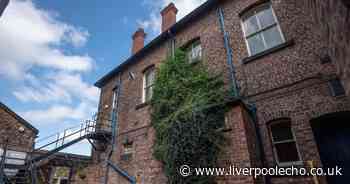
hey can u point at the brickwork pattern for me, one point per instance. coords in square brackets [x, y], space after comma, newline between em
[290, 83]
[10, 130]
[332, 18]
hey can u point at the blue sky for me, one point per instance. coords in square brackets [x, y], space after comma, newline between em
[52, 52]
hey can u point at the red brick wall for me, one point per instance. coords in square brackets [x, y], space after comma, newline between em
[288, 83]
[9, 130]
[332, 19]
[240, 150]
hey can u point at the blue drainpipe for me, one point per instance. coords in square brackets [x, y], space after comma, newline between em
[234, 86]
[114, 127]
[235, 89]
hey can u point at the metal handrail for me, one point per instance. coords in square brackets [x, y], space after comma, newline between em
[85, 129]
[56, 140]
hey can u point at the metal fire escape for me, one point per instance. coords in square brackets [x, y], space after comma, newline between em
[14, 170]
[24, 170]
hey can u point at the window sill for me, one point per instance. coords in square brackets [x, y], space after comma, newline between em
[268, 51]
[142, 105]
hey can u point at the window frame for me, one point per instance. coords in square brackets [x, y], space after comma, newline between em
[146, 87]
[190, 48]
[14, 157]
[253, 12]
[114, 98]
[332, 86]
[274, 143]
[127, 151]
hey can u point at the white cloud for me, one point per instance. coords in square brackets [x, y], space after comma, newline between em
[59, 113]
[33, 57]
[76, 86]
[77, 37]
[153, 22]
[61, 91]
[32, 37]
[56, 87]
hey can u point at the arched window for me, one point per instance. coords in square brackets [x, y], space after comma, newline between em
[148, 82]
[284, 144]
[261, 29]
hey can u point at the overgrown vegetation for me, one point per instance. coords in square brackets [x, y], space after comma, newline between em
[188, 112]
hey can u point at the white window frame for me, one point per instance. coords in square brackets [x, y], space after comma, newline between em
[297, 162]
[13, 157]
[190, 51]
[128, 149]
[254, 12]
[114, 99]
[146, 87]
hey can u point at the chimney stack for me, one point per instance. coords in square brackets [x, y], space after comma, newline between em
[138, 40]
[168, 16]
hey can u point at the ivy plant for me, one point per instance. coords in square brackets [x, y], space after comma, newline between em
[187, 114]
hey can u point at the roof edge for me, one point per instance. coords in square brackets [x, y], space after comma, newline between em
[163, 36]
[19, 118]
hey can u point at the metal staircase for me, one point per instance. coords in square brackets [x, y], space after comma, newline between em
[24, 170]
[48, 146]
[59, 141]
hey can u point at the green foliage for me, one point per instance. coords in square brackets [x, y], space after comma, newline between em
[188, 109]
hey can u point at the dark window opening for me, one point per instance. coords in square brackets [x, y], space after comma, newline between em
[128, 150]
[336, 87]
[284, 144]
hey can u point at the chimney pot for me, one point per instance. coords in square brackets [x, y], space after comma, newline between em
[168, 16]
[138, 40]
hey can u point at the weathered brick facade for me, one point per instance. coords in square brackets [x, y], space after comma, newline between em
[332, 18]
[288, 82]
[18, 134]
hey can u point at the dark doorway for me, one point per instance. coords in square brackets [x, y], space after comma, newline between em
[332, 134]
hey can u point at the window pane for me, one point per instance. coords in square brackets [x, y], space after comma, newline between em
[337, 87]
[251, 25]
[281, 132]
[149, 77]
[148, 93]
[197, 52]
[272, 37]
[287, 152]
[266, 17]
[10, 172]
[256, 44]
[16, 154]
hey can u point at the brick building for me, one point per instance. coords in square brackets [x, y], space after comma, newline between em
[281, 66]
[17, 142]
[332, 18]
[16, 139]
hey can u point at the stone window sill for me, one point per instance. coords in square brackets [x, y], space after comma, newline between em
[142, 105]
[268, 52]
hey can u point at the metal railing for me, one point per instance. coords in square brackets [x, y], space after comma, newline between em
[88, 127]
[59, 139]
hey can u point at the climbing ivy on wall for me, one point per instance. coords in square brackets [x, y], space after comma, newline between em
[187, 114]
